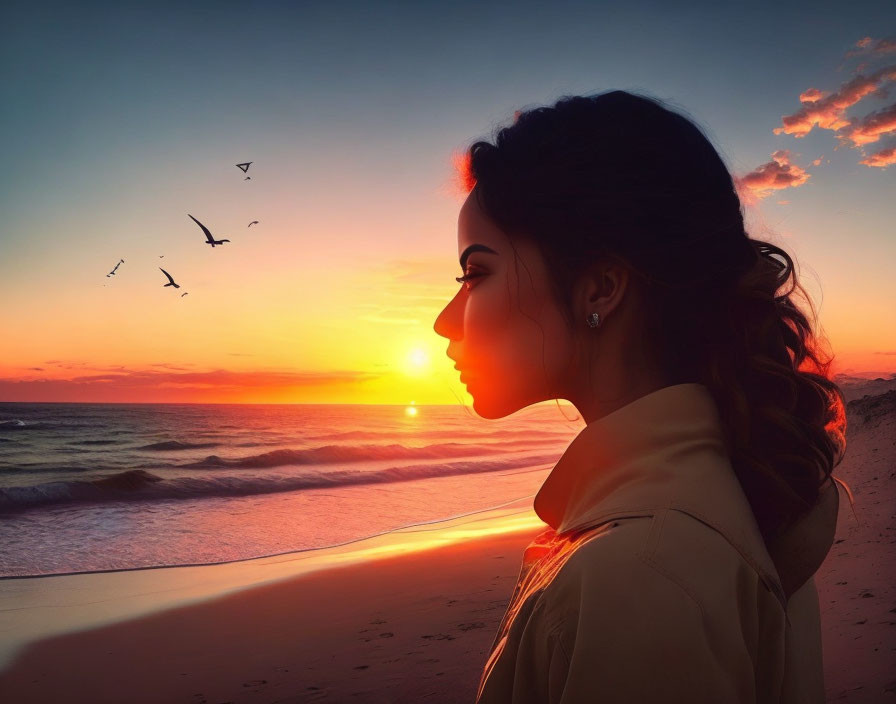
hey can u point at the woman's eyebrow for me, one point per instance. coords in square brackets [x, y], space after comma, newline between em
[474, 248]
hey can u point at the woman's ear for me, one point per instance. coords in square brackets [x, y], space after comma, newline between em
[603, 287]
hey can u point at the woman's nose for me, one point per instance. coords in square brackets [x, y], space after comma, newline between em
[449, 323]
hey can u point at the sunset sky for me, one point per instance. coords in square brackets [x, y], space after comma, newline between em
[117, 121]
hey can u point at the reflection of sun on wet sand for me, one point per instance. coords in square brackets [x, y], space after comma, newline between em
[416, 626]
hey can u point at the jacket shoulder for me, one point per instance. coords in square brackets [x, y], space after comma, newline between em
[615, 560]
[669, 558]
[630, 618]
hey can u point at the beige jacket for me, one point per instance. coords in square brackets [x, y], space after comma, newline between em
[653, 582]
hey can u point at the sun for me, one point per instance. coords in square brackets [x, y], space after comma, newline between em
[417, 361]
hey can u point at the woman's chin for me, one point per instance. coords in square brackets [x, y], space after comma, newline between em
[490, 408]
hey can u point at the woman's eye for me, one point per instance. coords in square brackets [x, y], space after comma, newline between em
[466, 278]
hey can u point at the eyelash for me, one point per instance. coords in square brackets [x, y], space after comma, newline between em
[467, 277]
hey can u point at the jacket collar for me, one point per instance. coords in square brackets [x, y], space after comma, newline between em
[666, 450]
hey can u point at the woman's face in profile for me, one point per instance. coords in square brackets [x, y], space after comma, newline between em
[505, 332]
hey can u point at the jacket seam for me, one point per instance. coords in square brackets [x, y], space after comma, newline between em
[668, 575]
[745, 554]
[651, 543]
[557, 632]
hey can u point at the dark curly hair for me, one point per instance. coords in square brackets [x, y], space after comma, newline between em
[620, 175]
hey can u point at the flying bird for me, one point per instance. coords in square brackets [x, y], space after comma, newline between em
[184, 294]
[208, 235]
[254, 222]
[112, 273]
[169, 279]
[245, 167]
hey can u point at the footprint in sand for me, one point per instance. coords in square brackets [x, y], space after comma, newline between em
[378, 621]
[254, 683]
[471, 626]
[361, 667]
[386, 635]
[439, 636]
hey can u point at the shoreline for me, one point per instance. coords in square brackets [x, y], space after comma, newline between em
[492, 511]
[40, 607]
[429, 608]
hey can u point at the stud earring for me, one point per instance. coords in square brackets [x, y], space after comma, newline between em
[593, 320]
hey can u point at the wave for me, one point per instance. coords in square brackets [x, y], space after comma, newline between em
[349, 453]
[176, 445]
[141, 485]
[17, 424]
[434, 434]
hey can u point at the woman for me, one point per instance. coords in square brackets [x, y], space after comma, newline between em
[605, 262]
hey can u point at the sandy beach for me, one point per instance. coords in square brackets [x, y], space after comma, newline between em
[396, 628]
[408, 617]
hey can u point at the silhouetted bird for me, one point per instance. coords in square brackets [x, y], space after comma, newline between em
[169, 278]
[184, 294]
[254, 222]
[112, 273]
[208, 235]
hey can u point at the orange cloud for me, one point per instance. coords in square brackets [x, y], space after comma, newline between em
[828, 112]
[813, 95]
[870, 128]
[818, 160]
[152, 386]
[772, 176]
[867, 45]
[881, 159]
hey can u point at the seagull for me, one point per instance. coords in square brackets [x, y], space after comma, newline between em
[208, 235]
[245, 167]
[183, 294]
[112, 273]
[254, 222]
[169, 279]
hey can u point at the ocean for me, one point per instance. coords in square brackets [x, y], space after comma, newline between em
[97, 487]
